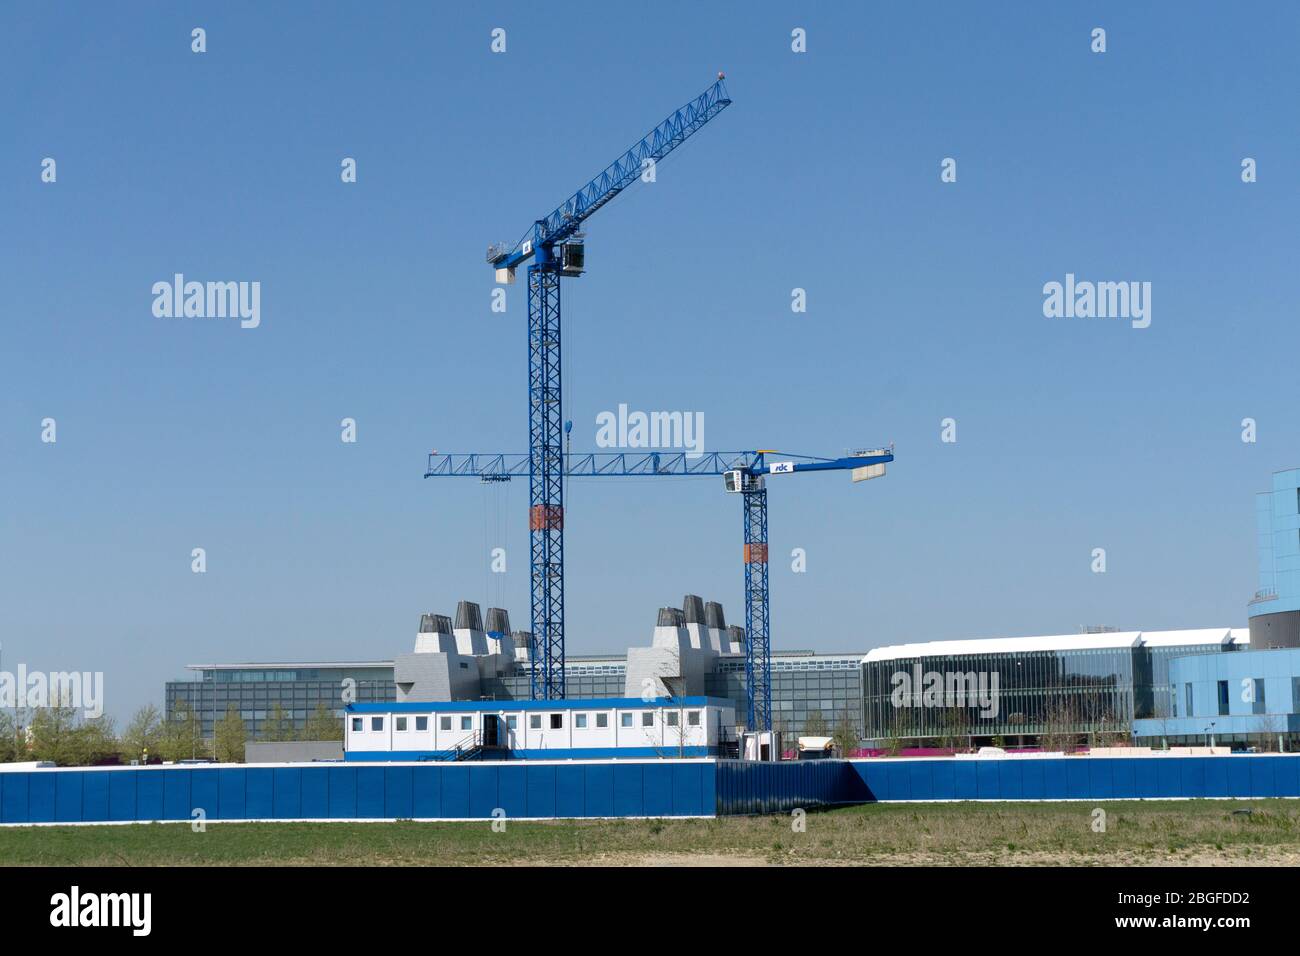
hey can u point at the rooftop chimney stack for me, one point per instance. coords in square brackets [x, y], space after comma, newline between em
[713, 616]
[468, 616]
[435, 624]
[671, 617]
[736, 635]
[498, 621]
[471, 639]
[435, 634]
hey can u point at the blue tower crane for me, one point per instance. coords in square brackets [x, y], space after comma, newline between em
[743, 472]
[554, 244]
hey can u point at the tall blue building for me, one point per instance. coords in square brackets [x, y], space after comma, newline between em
[1252, 698]
[1275, 608]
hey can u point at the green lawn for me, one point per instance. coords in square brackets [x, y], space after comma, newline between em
[1206, 832]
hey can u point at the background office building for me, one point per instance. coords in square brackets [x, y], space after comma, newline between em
[807, 688]
[255, 689]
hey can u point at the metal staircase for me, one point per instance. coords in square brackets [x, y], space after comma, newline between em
[467, 749]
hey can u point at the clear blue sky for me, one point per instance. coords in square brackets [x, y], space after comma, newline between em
[924, 302]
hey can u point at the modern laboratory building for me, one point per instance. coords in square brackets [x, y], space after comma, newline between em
[825, 687]
[1018, 690]
[472, 657]
[1242, 700]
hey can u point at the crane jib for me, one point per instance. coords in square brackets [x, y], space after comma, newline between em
[566, 219]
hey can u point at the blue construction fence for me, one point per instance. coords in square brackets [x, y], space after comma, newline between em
[522, 790]
[769, 788]
[659, 788]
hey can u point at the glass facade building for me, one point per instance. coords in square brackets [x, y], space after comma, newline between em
[1028, 691]
[821, 688]
[1245, 700]
[927, 694]
[804, 686]
[255, 689]
[583, 677]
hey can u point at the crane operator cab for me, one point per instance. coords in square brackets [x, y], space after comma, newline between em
[741, 481]
[573, 257]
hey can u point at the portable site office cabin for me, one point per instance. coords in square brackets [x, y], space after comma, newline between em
[555, 729]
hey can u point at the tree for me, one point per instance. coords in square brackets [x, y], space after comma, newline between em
[51, 730]
[846, 735]
[143, 734]
[1272, 730]
[899, 730]
[1060, 724]
[1164, 733]
[815, 725]
[322, 725]
[230, 736]
[92, 741]
[1110, 731]
[180, 738]
[277, 726]
[952, 728]
[10, 747]
[58, 736]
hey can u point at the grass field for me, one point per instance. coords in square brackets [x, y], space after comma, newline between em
[1213, 832]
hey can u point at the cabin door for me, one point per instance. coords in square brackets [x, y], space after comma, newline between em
[491, 730]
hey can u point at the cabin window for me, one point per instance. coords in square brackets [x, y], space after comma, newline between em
[647, 718]
[602, 720]
[401, 723]
[693, 718]
[557, 721]
[444, 723]
[535, 721]
[512, 722]
[376, 723]
[357, 724]
[672, 718]
[421, 723]
[466, 723]
[625, 720]
[580, 721]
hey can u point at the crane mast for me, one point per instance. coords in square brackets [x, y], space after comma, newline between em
[555, 248]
